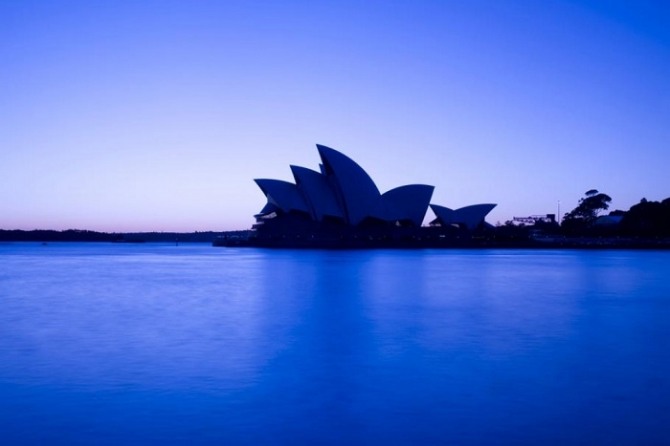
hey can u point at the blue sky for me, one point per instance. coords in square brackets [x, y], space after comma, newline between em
[157, 115]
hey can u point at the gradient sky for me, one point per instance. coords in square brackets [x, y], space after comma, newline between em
[157, 115]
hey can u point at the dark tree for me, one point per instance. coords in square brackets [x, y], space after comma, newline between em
[648, 219]
[587, 211]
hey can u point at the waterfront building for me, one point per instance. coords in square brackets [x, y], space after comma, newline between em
[341, 202]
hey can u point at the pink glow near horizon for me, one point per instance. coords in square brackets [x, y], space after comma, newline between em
[157, 116]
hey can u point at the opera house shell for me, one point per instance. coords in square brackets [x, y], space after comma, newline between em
[340, 205]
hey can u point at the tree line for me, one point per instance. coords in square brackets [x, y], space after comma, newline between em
[644, 219]
[589, 218]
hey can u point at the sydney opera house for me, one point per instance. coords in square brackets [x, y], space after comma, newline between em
[340, 206]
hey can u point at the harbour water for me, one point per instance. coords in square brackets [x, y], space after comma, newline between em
[128, 344]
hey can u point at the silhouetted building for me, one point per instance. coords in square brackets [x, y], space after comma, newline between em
[340, 203]
[468, 217]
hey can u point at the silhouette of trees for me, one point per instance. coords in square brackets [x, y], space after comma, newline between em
[587, 210]
[647, 219]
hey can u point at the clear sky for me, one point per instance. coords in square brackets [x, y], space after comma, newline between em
[157, 115]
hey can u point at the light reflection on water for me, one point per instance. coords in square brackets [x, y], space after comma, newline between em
[153, 343]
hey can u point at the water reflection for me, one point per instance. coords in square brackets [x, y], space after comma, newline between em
[156, 343]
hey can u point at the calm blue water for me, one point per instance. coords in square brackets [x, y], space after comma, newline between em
[158, 344]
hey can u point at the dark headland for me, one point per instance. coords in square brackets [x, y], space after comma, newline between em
[527, 237]
[645, 225]
[340, 206]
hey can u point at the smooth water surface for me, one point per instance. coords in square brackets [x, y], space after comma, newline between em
[159, 344]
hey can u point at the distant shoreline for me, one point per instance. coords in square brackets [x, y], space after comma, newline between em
[78, 235]
[244, 238]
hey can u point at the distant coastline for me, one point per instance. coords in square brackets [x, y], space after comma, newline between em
[520, 239]
[81, 235]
